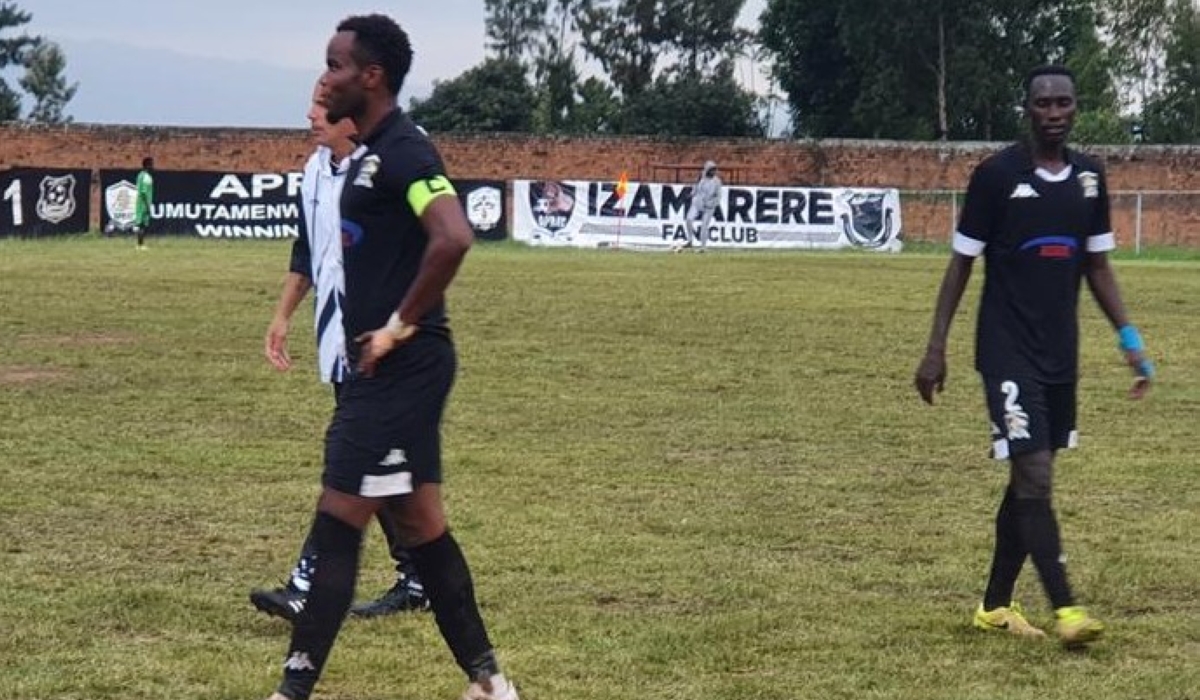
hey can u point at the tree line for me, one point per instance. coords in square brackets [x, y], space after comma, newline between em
[876, 69]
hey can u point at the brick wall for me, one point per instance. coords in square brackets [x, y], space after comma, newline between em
[1173, 220]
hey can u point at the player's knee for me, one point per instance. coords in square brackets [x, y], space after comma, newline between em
[1033, 476]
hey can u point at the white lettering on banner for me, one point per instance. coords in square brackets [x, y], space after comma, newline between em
[231, 185]
[254, 212]
[256, 231]
[653, 216]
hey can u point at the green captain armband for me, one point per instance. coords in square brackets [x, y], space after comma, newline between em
[424, 191]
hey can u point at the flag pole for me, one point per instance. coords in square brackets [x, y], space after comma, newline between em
[622, 188]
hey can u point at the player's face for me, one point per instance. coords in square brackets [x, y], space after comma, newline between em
[1051, 108]
[319, 123]
[341, 85]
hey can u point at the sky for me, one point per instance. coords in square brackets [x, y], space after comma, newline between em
[242, 63]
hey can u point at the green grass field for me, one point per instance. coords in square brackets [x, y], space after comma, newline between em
[674, 476]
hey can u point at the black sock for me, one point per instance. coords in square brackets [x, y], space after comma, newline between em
[140, 236]
[404, 564]
[1008, 556]
[443, 570]
[337, 547]
[1039, 530]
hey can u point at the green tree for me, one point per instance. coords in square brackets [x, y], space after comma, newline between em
[493, 96]
[1099, 119]
[912, 69]
[44, 82]
[1173, 114]
[811, 66]
[1137, 31]
[513, 26]
[688, 104]
[555, 74]
[13, 51]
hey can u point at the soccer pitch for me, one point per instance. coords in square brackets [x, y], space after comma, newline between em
[689, 476]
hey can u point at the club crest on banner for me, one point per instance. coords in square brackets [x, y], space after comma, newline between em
[120, 203]
[484, 208]
[56, 200]
[552, 204]
[867, 218]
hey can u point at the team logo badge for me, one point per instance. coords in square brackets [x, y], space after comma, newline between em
[120, 202]
[552, 204]
[867, 219]
[57, 199]
[1089, 182]
[366, 174]
[483, 208]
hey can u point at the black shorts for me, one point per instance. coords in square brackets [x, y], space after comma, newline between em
[385, 436]
[1028, 415]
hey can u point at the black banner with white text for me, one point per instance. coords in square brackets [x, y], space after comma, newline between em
[44, 202]
[253, 205]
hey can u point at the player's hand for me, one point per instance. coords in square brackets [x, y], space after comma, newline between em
[275, 345]
[931, 375]
[1143, 368]
[1130, 343]
[376, 344]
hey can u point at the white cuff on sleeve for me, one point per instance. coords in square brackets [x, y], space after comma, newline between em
[965, 245]
[1101, 243]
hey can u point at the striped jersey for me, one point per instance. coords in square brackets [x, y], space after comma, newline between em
[317, 255]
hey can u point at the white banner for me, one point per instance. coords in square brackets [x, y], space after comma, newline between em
[653, 216]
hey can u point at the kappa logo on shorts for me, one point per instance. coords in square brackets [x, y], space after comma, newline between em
[299, 661]
[394, 458]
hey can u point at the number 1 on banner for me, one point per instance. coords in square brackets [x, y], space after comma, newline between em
[13, 192]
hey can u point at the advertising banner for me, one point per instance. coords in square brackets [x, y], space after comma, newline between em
[652, 216]
[253, 205]
[44, 202]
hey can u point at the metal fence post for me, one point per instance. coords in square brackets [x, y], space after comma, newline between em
[1137, 226]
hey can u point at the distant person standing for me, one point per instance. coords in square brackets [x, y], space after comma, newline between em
[145, 200]
[706, 195]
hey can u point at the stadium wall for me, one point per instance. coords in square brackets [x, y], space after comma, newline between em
[1170, 217]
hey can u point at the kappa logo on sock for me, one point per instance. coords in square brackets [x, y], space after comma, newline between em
[299, 661]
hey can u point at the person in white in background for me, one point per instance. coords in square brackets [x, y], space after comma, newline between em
[706, 195]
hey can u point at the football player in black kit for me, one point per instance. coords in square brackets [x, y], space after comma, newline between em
[1038, 213]
[404, 235]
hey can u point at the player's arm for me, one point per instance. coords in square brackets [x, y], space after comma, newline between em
[931, 372]
[449, 238]
[449, 235]
[968, 243]
[295, 286]
[1102, 282]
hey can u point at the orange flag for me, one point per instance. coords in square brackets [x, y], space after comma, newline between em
[622, 185]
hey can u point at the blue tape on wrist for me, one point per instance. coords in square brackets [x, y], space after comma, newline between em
[1130, 339]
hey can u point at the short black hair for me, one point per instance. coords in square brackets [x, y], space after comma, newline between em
[1048, 69]
[379, 40]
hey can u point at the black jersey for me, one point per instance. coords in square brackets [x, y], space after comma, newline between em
[383, 242]
[1034, 230]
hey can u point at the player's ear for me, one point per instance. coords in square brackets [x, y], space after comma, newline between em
[373, 76]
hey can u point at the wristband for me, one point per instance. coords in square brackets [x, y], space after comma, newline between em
[1130, 339]
[399, 329]
[1145, 369]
